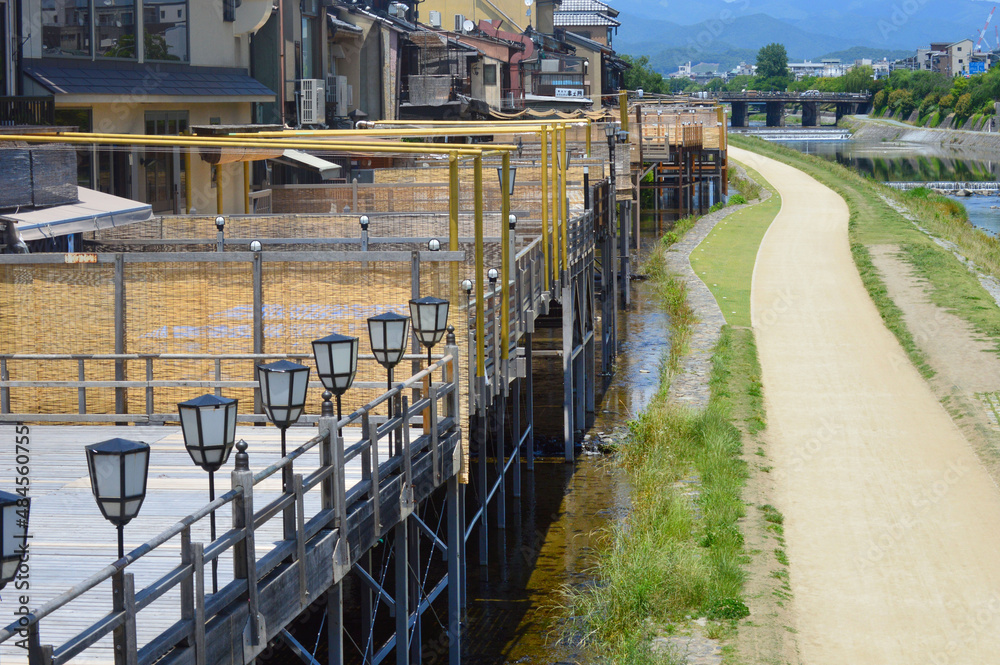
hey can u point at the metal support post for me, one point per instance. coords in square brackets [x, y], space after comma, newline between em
[456, 581]
[516, 438]
[484, 487]
[500, 409]
[335, 625]
[402, 594]
[121, 394]
[258, 320]
[567, 358]
[530, 400]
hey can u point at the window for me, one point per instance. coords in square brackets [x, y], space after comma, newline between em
[167, 37]
[65, 28]
[107, 28]
[489, 74]
[114, 34]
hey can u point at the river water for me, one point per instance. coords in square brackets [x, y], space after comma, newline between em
[514, 614]
[905, 162]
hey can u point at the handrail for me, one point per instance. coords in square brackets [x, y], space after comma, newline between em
[178, 574]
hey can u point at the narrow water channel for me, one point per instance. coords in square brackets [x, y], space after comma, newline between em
[514, 602]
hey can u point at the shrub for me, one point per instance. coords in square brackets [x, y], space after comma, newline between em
[737, 200]
[946, 103]
[963, 107]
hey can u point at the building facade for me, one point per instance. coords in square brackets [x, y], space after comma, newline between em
[146, 67]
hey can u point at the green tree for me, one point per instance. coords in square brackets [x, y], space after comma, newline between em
[963, 107]
[880, 100]
[946, 103]
[772, 61]
[859, 79]
[641, 75]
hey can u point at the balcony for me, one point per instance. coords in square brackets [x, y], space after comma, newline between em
[27, 111]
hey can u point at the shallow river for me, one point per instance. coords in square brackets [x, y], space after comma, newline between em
[901, 162]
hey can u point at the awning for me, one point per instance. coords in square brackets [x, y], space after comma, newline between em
[327, 170]
[96, 210]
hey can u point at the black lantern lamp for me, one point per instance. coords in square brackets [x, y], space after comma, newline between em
[13, 534]
[118, 471]
[610, 129]
[513, 177]
[512, 221]
[430, 321]
[283, 386]
[208, 424]
[337, 364]
[209, 427]
[387, 333]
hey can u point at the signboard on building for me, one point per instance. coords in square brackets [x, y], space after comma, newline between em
[569, 92]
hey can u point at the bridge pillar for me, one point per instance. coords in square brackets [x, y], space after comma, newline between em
[775, 114]
[844, 108]
[810, 114]
[741, 114]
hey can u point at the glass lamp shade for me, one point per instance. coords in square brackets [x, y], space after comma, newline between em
[209, 426]
[513, 178]
[283, 386]
[13, 534]
[430, 319]
[610, 129]
[336, 361]
[387, 333]
[118, 471]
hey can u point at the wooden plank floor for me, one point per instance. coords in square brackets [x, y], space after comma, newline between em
[71, 540]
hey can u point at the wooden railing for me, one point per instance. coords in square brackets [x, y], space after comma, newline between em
[349, 521]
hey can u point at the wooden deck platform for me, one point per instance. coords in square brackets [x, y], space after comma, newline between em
[71, 540]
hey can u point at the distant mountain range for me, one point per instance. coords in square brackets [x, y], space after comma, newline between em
[671, 32]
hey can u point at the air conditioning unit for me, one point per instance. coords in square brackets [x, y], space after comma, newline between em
[435, 19]
[459, 23]
[312, 104]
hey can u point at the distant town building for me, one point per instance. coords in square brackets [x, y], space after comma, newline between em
[827, 68]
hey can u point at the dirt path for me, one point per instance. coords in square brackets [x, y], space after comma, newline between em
[892, 525]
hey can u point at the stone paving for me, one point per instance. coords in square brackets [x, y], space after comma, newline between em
[690, 385]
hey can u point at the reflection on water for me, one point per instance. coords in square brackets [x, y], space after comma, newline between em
[901, 162]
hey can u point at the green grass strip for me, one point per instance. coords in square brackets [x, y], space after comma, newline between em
[725, 259]
[679, 552]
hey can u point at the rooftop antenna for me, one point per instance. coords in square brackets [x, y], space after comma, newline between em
[528, 3]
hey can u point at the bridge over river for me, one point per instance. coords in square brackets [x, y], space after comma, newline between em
[774, 103]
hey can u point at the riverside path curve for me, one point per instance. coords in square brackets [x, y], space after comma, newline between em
[892, 525]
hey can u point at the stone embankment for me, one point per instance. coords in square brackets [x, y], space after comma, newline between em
[876, 131]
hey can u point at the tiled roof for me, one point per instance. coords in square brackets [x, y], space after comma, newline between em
[571, 19]
[126, 78]
[586, 6]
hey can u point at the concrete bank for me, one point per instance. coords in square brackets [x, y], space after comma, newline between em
[876, 131]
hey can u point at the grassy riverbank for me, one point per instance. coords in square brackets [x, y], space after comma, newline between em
[725, 259]
[874, 222]
[680, 553]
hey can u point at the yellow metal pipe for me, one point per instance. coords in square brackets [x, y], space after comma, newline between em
[623, 108]
[172, 141]
[456, 130]
[557, 214]
[272, 142]
[246, 188]
[453, 202]
[505, 261]
[188, 186]
[562, 197]
[218, 190]
[590, 127]
[545, 207]
[480, 270]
